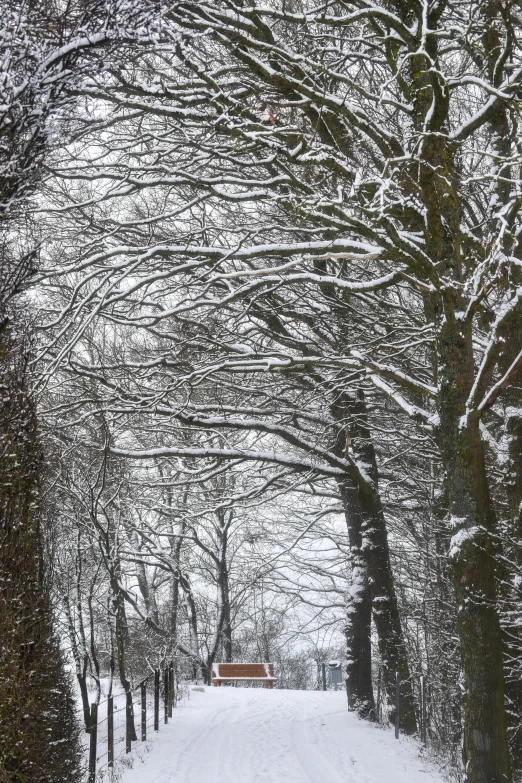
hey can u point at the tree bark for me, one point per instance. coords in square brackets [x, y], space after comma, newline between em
[373, 568]
[121, 638]
[81, 662]
[510, 590]
[359, 686]
[223, 588]
[193, 627]
[486, 752]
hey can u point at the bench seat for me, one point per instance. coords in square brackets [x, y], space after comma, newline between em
[243, 672]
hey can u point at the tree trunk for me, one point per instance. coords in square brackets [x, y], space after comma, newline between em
[174, 608]
[149, 598]
[374, 566]
[511, 584]
[174, 587]
[95, 664]
[392, 649]
[227, 623]
[510, 339]
[224, 590]
[486, 751]
[359, 687]
[121, 637]
[81, 662]
[193, 626]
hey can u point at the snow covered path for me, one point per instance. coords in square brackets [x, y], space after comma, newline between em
[246, 735]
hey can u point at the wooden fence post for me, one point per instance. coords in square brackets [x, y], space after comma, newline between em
[110, 732]
[424, 712]
[156, 699]
[323, 674]
[397, 704]
[171, 687]
[166, 694]
[92, 743]
[128, 723]
[144, 710]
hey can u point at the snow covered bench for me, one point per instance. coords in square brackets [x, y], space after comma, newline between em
[250, 672]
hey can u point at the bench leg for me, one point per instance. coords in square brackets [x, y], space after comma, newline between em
[269, 685]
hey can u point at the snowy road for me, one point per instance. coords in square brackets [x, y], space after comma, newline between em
[242, 735]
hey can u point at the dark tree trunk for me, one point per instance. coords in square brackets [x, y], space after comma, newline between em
[174, 608]
[175, 588]
[510, 340]
[392, 649]
[84, 693]
[486, 752]
[227, 623]
[509, 573]
[225, 620]
[149, 598]
[193, 627]
[359, 687]
[121, 633]
[373, 569]
[472, 554]
[81, 662]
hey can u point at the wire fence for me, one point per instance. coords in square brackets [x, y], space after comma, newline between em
[110, 731]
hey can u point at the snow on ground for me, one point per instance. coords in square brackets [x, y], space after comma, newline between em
[251, 735]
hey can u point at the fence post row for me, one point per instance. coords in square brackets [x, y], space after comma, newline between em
[92, 743]
[128, 722]
[156, 699]
[110, 732]
[129, 715]
[144, 710]
[397, 704]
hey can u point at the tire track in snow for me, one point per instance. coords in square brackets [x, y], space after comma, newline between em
[200, 756]
[313, 749]
[241, 735]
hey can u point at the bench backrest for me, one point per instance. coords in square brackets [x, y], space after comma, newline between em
[243, 670]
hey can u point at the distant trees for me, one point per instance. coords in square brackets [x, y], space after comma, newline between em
[175, 555]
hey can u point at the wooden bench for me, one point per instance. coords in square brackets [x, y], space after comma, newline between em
[247, 672]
